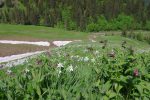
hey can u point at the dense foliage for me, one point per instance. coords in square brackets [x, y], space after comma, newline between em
[91, 15]
[88, 73]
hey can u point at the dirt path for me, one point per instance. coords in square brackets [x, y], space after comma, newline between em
[11, 49]
[39, 43]
[8, 48]
[15, 54]
[14, 60]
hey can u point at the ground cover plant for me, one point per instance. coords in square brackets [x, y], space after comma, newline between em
[89, 73]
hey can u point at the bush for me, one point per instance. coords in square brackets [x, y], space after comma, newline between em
[124, 22]
[102, 23]
[72, 25]
[92, 27]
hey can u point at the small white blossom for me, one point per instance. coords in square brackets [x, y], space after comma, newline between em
[70, 68]
[96, 52]
[82, 58]
[77, 56]
[60, 65]
[93, 40]
[71, 57]
[93, 60]
[9, 71]
[27, 70]
[59, 72]
[85, 51]
[86, 59]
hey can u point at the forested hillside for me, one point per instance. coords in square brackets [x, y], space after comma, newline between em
[90, 15]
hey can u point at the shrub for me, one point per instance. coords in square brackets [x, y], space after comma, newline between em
[124, 22]
[72, 25]
[60, 24]
[102, 23]
[92, 27]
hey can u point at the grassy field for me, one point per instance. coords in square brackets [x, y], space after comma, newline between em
[33, 33]
[90, 72]
[21, 32]
[117, 41]
[83, 70]
[38, 33]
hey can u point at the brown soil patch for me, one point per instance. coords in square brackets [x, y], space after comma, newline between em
[11, 49]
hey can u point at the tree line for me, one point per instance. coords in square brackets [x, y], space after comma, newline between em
[91, 15]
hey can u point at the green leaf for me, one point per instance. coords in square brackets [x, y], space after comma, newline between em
[38, 90]
[139, 88]
[106, 86]
[118, 87]
[105, 98]
[111, 94]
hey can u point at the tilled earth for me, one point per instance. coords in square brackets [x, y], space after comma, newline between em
[11, 49]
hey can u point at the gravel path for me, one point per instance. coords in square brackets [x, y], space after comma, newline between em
[40, 43]
[10, 61]
[19, 56]
[13, 60]
[61, 43]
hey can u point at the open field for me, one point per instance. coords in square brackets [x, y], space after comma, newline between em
[33, 34]
[75, 50]
[81, 68]
[36, 33]
[98, 67]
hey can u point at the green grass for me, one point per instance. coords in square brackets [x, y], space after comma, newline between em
[102, 78]
[116, 41]
[39, 32]
[80, 70]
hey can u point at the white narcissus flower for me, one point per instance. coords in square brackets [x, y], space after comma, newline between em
[60, 65]
[86, 59]
[77, 56]
[59, 72]
[27, 70]
[70, 68]
[82, 59]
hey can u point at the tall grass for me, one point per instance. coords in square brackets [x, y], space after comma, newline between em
[88, 73]
[139, 36]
